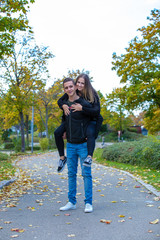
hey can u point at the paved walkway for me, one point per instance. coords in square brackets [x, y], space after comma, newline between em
[129, 208]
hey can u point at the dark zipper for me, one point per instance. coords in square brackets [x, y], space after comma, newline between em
[70, 138]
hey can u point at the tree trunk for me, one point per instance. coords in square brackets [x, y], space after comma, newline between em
[46, 121]
[22, 132]
[27, 129]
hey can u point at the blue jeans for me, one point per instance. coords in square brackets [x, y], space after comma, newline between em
[75, 151]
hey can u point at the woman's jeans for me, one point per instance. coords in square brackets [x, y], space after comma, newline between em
[75, 151]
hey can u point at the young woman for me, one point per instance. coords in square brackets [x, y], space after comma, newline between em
[85, 90]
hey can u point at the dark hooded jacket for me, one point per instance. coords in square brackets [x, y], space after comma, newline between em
[76, 123]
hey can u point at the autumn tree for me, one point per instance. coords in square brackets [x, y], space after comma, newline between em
[48, 112]
[117, 118]
[23, 73]
[139, 69]
[13, 17]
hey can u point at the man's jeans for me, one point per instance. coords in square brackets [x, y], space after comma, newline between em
[73, 152]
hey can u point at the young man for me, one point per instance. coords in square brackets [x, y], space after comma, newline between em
[75, 124]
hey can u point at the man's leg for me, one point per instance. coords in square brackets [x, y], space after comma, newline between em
[86, 173]
[72, 163]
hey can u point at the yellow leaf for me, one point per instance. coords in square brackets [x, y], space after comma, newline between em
[155, 221]
[121, 216]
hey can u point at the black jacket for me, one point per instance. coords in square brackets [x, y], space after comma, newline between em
[93, 112]
[76, 123]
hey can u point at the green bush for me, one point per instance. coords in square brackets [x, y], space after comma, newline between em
[144, 152]
[52, 144]
[3, 156]
[132, 130]
[35, 148]
[8, 145]
[17, 144]
[44, 143]
[126, 135]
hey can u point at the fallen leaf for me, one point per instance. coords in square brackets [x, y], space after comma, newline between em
[155, 221]
[17, 230]
[1, 227]
[7, 222]
[68, 223]
[156, 198]
[121, 220]
[121, 216]
[137, 186]
[114, 202]
[150, 231]
[14, 236]
[71, 235]
[108, 221]
[105, 221]
[66, 214]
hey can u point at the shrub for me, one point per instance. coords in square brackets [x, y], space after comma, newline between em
[3, 156]
[8, 145]
[44, 143]
[52, 144]
[144, 152]
[17, 144]
[35, 148]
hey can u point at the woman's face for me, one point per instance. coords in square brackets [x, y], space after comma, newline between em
[80, 84]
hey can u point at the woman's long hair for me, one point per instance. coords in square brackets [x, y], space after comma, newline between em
[89, 93]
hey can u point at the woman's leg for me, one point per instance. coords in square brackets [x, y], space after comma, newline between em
[58, 134]
[91, 137]
[90, 133]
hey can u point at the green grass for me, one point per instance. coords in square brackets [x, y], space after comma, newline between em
[7, 170]
[149, 176]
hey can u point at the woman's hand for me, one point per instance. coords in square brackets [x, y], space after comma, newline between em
[66, 109]
[76, 107]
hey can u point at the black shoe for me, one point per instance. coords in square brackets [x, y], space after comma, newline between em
[87, 162]
[61, 164]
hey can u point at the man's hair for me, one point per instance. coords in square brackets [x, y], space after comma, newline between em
[68, 80]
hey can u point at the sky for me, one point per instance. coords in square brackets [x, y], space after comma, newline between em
[83, 34]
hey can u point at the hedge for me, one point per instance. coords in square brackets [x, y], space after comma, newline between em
[144, 152]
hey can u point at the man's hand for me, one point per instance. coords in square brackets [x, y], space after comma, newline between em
[66, 109]
[76, 107]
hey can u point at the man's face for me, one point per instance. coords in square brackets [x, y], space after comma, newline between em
[69, 88]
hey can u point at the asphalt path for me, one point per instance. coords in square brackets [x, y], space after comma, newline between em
[123, 207]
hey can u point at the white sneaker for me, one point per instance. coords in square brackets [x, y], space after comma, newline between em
[88, 208]
[68, 206]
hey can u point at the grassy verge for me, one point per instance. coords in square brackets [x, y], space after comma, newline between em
[149, 176]
[7, 170]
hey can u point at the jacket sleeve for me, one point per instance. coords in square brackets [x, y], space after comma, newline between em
[94, 110]
[62, 100]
